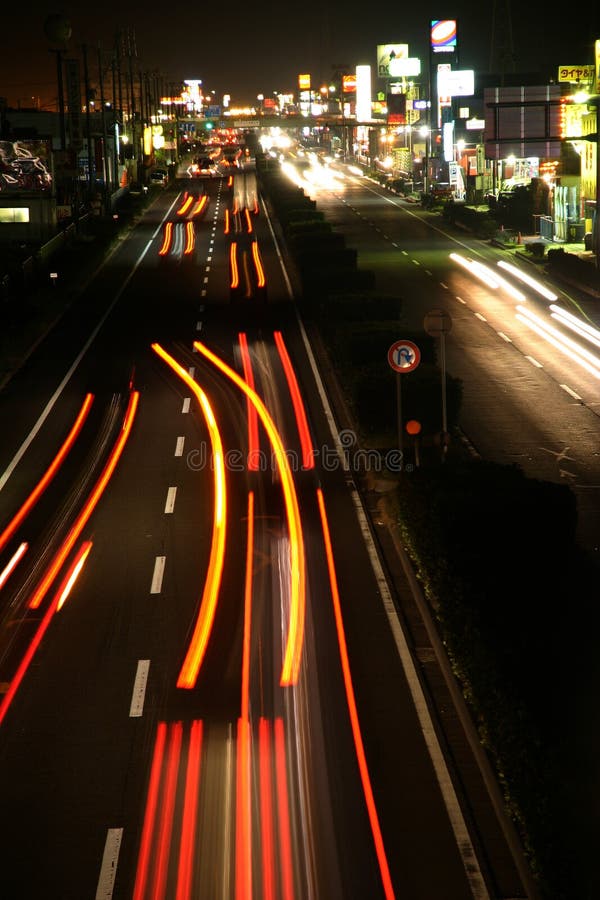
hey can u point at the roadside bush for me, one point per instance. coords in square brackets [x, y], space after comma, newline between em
[373, 392]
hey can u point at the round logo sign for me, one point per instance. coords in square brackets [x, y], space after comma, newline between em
[404, 356]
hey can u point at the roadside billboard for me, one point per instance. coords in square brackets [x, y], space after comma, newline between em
[25, 166]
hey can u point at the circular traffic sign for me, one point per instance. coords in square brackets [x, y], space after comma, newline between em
[437, 322]
[404, 356]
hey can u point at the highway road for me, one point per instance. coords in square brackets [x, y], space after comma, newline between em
[527, 352]
[207, 690]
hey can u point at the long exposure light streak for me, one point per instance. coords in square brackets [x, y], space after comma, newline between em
[89, 505]
[185, 872]
[144, 856]
[260, 272]
[283, 814]
[243, 842]
[253, 439]
[308, 459]
[267, 827]
[235, 275]
[583, 329]
[167, 239]
[352, 709]
[564, 344]
[295, 638]
[190, 238]
[527, 279]
[13, 563]
[72, 574]
[194, 657]
[185, 205]
[49, 474]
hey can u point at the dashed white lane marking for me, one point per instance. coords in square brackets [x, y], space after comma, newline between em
[138, 694]
[460, 299]
[192, 371]
[198, 326]
[505, 337]
[566, 388]
[534, 361]
[186, 405]
[179, 446]
[170, 502]
[479, 316]
[157, 576]
[108, 869]
[444, 285]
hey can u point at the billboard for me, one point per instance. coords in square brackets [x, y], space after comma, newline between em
[386, 54]
[456, 83]
[408, 67]
[443, 35]
[25, 166]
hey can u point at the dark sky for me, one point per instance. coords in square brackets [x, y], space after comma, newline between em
[246, 49]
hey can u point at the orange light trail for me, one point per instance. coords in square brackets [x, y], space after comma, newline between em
[167, 811]
[195, 654]
[260, 272]
[90, 504]
[248, 221]
[13, 563]
[266, 810]
[243, 833]
[28, 656]
[143, 866]
[235, 275]
[350, 698]
[253, 442]
[308, 460]
[185, 872]
[203, 200]
[190, 238]
[226, 228]
[167, 239]
[50, 472]
[185, 206]
[283, 809]
[243, 842]
[72, 574]
[245, 703]
[295, 638]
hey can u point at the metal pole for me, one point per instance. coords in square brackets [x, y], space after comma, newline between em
[444, 412]
[399, 415]
[91, 174]
[61, 98]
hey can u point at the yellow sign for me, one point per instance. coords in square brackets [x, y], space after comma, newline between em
[576, 74]
[304, 82]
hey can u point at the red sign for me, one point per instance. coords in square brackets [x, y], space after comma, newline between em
[404, 356]
[349, 84]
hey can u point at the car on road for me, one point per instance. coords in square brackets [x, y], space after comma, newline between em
[203, 167]
[159, 176]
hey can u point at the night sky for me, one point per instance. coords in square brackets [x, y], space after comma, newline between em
[246, 49]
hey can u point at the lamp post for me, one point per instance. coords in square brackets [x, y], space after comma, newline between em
[58, 31]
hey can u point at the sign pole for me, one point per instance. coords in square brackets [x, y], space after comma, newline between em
[399, 414]
[403, 356]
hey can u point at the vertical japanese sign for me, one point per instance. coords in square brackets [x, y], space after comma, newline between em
[74, 102]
